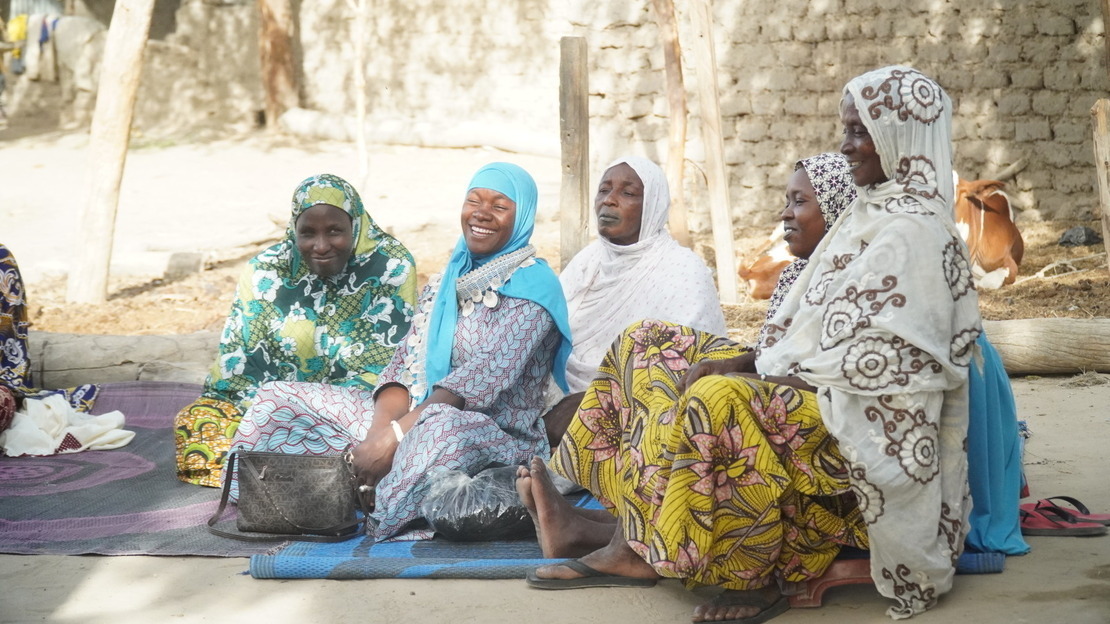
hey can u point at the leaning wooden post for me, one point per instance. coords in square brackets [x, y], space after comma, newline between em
[676, 105]
[705, 62]
[122, 66]
[574, 129]
[275, 48]
[1099, 113]
[1106, 20]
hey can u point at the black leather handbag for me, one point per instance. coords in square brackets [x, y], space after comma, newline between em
[292, 497]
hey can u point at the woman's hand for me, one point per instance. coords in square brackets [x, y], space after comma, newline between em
[744, 363]
[373, 457]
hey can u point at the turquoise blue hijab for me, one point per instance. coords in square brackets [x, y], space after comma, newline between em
[536, 282]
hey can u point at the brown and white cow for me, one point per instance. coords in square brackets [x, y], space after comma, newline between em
[985, 218]
[762, 273]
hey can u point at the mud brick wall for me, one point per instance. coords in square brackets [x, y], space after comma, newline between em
[1023, 79]
[1023, 75]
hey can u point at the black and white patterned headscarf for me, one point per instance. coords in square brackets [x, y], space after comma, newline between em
[832, 182]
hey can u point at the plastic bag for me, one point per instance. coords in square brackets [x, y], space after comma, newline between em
[481, 508]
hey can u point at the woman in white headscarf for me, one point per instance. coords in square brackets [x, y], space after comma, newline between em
[884, 324]
[633, 271]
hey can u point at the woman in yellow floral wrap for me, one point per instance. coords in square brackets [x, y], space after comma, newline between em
[328, 304]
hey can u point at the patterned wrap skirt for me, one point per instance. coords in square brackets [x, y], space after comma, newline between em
[735, 483]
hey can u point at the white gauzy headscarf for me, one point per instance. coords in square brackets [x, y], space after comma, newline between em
[608, 287]
[883, 322]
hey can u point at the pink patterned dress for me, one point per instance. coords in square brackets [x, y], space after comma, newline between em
[499, 365]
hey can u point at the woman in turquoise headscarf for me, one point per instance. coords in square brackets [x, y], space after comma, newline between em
[328, 305]
[465, 388]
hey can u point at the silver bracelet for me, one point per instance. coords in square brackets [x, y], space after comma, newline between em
[397, 431]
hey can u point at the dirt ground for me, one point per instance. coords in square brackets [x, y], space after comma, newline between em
[1063, 579]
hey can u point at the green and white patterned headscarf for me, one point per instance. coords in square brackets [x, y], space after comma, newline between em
[288, 324]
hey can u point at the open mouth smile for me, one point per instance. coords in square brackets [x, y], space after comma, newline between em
[481, 232]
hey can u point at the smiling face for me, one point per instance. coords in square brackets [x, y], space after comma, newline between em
[858, 147]
[620, 205]
[325, 239]
[487, 221]
[802, 221]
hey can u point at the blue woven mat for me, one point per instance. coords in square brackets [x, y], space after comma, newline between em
[361, 558]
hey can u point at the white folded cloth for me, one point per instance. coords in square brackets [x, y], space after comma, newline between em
[50, 426]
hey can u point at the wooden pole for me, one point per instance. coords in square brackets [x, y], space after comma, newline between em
[1106, 20]
[275, 47]
[705, 63]
[574, 129]
[676, 104]
[108, 137]
[1099, 115]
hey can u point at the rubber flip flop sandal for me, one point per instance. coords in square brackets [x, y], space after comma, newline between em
[590, 578]
[775, 609]
[1071, 506]
[1037, 523]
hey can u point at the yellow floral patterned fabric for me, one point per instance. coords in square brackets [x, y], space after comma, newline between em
[732, 484]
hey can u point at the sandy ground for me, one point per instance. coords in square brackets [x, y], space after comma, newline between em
[218, 197]
[1063, 580]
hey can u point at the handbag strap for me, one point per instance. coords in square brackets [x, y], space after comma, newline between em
[270, 537]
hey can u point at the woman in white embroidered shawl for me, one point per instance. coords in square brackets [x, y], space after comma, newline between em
[634, 270]
[883, 324]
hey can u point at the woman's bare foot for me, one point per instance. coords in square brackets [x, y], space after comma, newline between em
[616, 559]
[731, 604]
[563, 531]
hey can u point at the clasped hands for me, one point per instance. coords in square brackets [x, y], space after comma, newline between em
[742, 364]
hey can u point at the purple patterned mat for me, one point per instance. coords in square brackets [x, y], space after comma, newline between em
[121, 502]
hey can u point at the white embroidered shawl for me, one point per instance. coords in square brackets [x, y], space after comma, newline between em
[883, 322]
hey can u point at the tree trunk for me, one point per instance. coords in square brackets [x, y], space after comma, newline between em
[361, 10]
[275, 42]
[108, 139]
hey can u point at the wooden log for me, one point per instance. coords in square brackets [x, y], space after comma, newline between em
[275, 48]
[1099, 115]
[676, 106]
[705, 63]
[574, 129]
[108, 138]
[1051, 346]
[66, 360]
